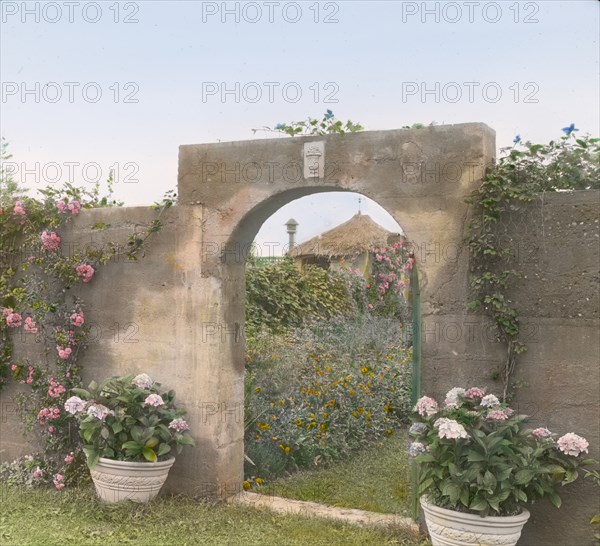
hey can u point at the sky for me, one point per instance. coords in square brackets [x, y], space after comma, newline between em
[92, 86]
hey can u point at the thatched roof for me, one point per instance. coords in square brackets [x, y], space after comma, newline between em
[356, 235]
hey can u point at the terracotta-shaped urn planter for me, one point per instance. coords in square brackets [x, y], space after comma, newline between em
[450, 528]
[117, 481]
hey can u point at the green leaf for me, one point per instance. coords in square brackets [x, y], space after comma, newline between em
[163, 448]
[524, 476]
[117, 427]
[475, 456]
[186, 441]
[149, 454]
[82, 393]
[554, 499]
[152, 442]
[478, 504]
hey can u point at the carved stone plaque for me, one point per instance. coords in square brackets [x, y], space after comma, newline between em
[314, 160]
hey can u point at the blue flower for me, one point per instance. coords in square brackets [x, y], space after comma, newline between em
[568, 130]
[517, 139]
[279, 126]
[328, 114]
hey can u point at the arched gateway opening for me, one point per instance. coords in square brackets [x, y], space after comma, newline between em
[226, 192]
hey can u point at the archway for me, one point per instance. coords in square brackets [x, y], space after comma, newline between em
[227, 190]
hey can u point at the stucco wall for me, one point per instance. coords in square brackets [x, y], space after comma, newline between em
[177, 313]
[557, 241]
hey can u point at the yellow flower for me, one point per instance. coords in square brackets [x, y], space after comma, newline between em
[280, 402]
[368, 415]
[325, 415]
[389, 431]
[388, 408]
[351, 392]
[246, 485]
[355, 413]
[364, 370]
[259, 481]
[263, 426]
[299, 422]
[360, 409]
[332, 402]
[274, 438]
[257, 389]
[323, 427]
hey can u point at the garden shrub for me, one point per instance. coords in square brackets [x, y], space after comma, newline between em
[323, 391]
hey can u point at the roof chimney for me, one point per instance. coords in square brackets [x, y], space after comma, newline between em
[291, 229]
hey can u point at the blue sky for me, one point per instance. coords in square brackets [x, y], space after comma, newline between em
[541, 56]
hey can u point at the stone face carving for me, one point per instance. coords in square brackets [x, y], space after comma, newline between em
[314, 160]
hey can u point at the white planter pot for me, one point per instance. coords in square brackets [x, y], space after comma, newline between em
[450, 528]
[125, 480]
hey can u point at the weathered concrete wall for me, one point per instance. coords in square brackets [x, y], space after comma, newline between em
[557, 243]
[177, 314]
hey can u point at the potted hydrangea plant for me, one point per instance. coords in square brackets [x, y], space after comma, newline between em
[128, 428]
[479, 464]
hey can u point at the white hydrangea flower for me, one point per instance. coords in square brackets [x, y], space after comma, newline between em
[74, 405]
[143, 381]
[449, 428]
[490, 401]
[452, 397]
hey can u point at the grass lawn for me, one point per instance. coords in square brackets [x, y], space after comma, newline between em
[48, 517]
[377, 480]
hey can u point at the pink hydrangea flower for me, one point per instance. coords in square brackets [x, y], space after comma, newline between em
[61, 206]
[541, 432]
[69, 458]
[154, 400]
[50, 241]
[426, 406]
[19, 209]
[499, 414]
[74, 405]
[85, 271]
[63, 353]
[474, 392]
[179, 425]
[572, 444]
[449, 428]
[6, 311]
[13, 320]
[30, 326]
[77, 319]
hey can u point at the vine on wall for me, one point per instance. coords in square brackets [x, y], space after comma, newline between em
[37, 305]
[525, 171]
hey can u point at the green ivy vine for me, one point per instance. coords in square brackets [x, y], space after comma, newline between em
[524, 172]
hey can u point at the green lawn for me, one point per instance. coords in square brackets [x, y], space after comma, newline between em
[377, 480]
[48, 517]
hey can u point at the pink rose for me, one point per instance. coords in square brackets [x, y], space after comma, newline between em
[19, 209]
[74, 207]
[63, 353]
[77, 319]
[30, 326]
[13, 320]
[50, 241]
[60, 205]
[85, 271]
[37, 473]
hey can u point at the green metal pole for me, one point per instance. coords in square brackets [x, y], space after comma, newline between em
[416, 377]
